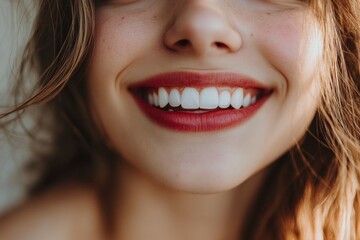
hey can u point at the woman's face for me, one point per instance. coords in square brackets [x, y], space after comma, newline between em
[201, 94]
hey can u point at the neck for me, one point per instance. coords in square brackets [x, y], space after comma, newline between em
[150, 211]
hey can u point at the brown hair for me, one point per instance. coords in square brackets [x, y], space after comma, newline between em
[313, 188]
[59, 51]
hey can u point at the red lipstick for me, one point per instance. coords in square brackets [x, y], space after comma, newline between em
[178, 119]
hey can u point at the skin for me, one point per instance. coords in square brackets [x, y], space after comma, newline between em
[265, 40]
[65, 212]
[175, 185]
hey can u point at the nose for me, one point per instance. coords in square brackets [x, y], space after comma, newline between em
[201, 28]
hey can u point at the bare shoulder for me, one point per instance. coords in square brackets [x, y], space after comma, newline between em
[70, 212]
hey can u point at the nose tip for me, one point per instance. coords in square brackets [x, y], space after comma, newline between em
[202, 30]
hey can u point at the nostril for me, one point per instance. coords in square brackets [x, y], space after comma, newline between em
[186, 43]
[183, 43]
[220, 45]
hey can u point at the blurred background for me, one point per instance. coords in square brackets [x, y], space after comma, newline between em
[15, 26]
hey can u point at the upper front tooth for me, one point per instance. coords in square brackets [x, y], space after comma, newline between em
[174, 98]
[224, 99]
[237, 98]
[163, 97]
[209, 98]
[190, 98]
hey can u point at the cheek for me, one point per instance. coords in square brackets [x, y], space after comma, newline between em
[279, 40]
[119, 38]
[117, 43]
[294, 49]
[110, 42]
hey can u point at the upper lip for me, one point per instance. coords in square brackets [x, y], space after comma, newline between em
[196, 79]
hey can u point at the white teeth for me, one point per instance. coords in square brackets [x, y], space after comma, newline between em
[224, 99]
[247, 100]
[237, 98]
[190, 98]
[253, 99]
[163, 97]
[174, 98]
[209, 98]
[155, 99]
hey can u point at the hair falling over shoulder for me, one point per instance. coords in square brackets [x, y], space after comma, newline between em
[314, 188]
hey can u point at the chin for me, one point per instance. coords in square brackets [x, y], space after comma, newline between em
[208, 174]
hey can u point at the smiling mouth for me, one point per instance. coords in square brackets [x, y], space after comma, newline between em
[195, 102]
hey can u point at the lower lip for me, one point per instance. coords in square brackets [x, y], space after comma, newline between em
[200, 122]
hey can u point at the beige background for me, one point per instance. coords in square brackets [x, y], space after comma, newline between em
[14, 29]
